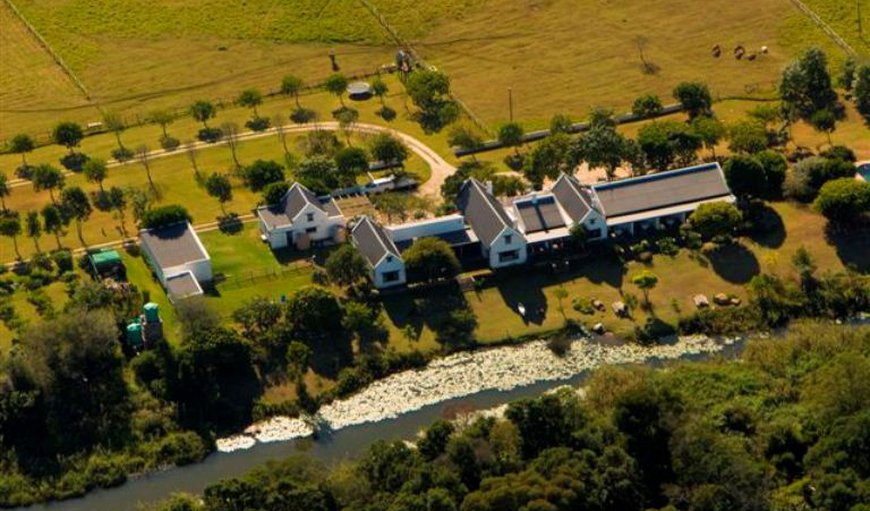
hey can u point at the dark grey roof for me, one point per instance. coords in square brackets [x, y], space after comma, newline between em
[539, 213]
[173, 245]
[293, 202]
[484, 214]
[373, 241]
[663, 189]
[574, 198]
[182, 285]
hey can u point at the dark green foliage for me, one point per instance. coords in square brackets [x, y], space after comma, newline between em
[67, 134]
[274, 192]
[695, 98]
[262, 173]
[861, 91]
[162, 216]
[434, 442]
[351, 162]
[388, 149]
[258, 124]
[210, 135]
[775, 169]
[314, 314]
[646, 106]
[807, 176]
[715, 219]
[430, 92]
[746, 176]
[844, 200]
[806, 87]
[319, 174]
[431, 259]
[346, 265]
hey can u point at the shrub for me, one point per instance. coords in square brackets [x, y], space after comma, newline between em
[745, 176]
[106, 472]
[169, 143]
[653, 330]
[74, 161]
[775, 168]
[258, 124]
[715, 219]
[667, 246]
[164, 215]
[182, 448]
[843, 200]
[722, 321]
[63, 259]
[24, 171]
[808, 176]
[839, 152]
[583, 305]
[122, 154]
[42, 261]
[303, 115]
[263, 410]
[210, 135]
[386, 113]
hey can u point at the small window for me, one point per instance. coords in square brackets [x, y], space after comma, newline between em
[390, 276]
[591, 221]
[389, 258]
[508, 239]
[311, 230]
[510, 255]
[309, 217]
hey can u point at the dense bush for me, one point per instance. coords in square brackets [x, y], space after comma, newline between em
[169, 143]
[73, 161]
[122, 154]
[164, 215]
[845, 200]
[261, 173]
[209, 135]
[258, 124]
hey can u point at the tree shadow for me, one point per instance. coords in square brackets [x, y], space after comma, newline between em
[230, 223]
[734, 263]
[768, 228]
[852, 246]
[329, 356]
[524, 295]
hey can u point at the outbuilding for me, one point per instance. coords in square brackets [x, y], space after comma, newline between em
[178, 259]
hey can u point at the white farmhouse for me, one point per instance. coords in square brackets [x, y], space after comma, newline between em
[501, 242]
[178, 258]
[387, 269]
[301, 220]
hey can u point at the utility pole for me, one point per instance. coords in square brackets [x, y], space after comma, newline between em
[511, 102]
[860, 25]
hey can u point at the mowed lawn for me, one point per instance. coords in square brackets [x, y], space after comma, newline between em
[565, 56]
[141, 55]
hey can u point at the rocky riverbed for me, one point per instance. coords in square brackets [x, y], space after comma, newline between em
[463, 374]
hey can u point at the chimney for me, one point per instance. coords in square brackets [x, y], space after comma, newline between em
[535, 198]
[488, 185]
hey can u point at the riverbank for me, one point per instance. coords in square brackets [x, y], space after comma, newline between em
[462, 374]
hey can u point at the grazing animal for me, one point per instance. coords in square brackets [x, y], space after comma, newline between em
[717, 51]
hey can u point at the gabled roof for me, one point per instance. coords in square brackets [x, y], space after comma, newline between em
[662, 189]
[484, 214]
[372, 241]
[173, 245]
[182, 285]
[297, 198]
[539, 212]
[574, 198]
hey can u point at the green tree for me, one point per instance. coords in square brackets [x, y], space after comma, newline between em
[511, 135]
[74, 204]
[695, 98]
[645, 281]
[710, 130]
[162, 118]
[262, 173]
[775, 169]
[861, 91]
[291, 86]
[67, 134]
[561, 123]
[202, 111]
[34, 228]
[806, 86]
[647, 106]
[714, 219]
[601, 117]
[114, 123]
[298, 359]
[162, 216]
[5, 190]
[347, 118]
[346, 266]
[431, 259]
[318, 173]
[10, 226]
[746, 176]
[601, 147]
[552, 155]
[53, 221]
[118, 203]
[380, 89]
[143, 154]
[274, 192]
[95, 171]
[655, 141]
[844, 200]
[430, 91]
[314, 314]
[336, 85]
[434, 441]
[46, 177]
[250, 98]
[824, 121]
[388, 149]
[258, 316]
[351, 162]
[22, 144]
[465, 138]
[219, 187]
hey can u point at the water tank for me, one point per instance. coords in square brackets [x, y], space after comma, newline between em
[134, 334]
[152, 312]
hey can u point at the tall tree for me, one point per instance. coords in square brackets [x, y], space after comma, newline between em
[388, 149]
[162, 118]
[219, 187]
[861, 91]
[695, 98]
[291, 86]
[511, 135]
[114, 123]
[561, 123]
[22, 144]
[601, 147]
[143, 154]
[278, 121]
[710, 130]
[5, 190]
[33, 228]
[53, 221]
[337, 86]
[645, 281]
[465, 138]
[46, 177]
[202, 111]
[431, 258]
[191, 150]
[67, 134]
[824, 121]
[806, 87]
[118, 202]
[350, 163]
[95, 171]
[380, 89]
[74, 204]
[10, 226]
[231, 135]
[250, 98]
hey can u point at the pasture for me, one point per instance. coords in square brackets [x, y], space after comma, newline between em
[565, 56]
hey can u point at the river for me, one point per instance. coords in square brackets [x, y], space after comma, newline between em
[355, 435]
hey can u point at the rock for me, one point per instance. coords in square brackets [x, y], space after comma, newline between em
[721, 299]
[598, 328]
[735, 301]
[598, 304]
[619, 309]
[701, 301]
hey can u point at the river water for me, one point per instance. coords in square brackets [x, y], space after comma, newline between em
[330, 446]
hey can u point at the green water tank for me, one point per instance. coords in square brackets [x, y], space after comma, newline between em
[152, 312]
[134, 333]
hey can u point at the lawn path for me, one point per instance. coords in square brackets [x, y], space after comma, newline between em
[440, 168]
